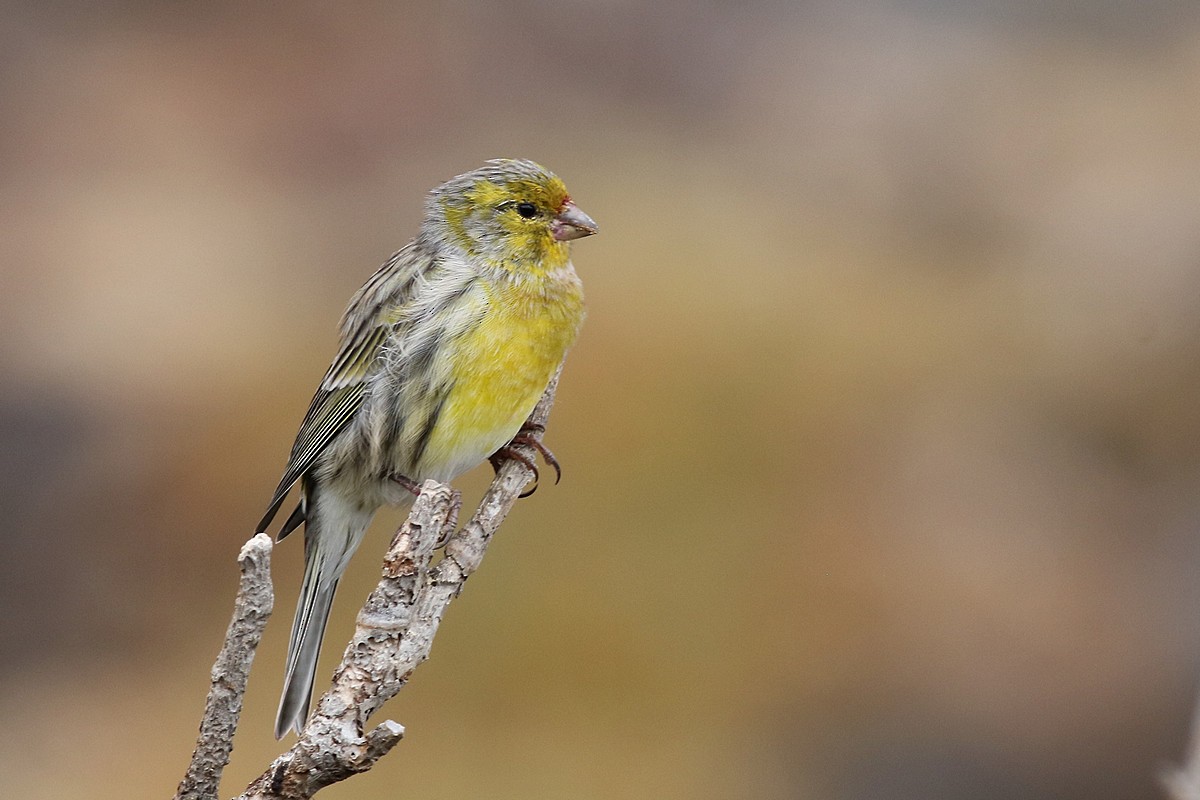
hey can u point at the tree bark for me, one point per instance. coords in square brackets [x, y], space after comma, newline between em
[251, 610]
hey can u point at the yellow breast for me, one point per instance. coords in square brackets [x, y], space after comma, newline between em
[501, 367]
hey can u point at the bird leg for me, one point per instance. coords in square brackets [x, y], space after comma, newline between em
[531, 436]
[407, 483]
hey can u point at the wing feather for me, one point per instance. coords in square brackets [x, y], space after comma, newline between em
[365, 326]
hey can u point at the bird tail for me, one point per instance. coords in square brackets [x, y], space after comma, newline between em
[333, 529]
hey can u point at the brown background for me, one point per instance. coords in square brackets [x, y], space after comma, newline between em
[881, 441]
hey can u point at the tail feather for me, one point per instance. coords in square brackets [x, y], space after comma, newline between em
[312, 612]
[332, 532]
[292, 522]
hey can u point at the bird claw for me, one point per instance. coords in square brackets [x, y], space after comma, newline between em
[530, 435]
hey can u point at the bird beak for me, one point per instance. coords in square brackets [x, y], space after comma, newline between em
[572, 223]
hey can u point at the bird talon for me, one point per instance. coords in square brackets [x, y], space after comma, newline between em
[529, 436]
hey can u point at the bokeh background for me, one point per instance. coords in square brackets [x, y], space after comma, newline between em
[882, 441]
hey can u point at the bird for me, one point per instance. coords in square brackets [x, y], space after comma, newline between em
[443, 354]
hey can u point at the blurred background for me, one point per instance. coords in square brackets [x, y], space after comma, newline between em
[881, 442]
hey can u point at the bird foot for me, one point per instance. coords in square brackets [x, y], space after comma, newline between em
[530, 435]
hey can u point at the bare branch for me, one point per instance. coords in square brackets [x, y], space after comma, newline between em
[1183, 783]
[251, 610]
[395, 630]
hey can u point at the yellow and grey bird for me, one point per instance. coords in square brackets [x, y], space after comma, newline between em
[443, 354]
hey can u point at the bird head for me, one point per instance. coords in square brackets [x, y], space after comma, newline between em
[509, 213]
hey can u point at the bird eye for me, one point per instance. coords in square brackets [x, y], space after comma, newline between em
[527, 210]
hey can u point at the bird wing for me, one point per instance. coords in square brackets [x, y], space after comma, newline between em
[365, 326]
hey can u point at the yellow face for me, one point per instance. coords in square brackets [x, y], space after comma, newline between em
[506, 216]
